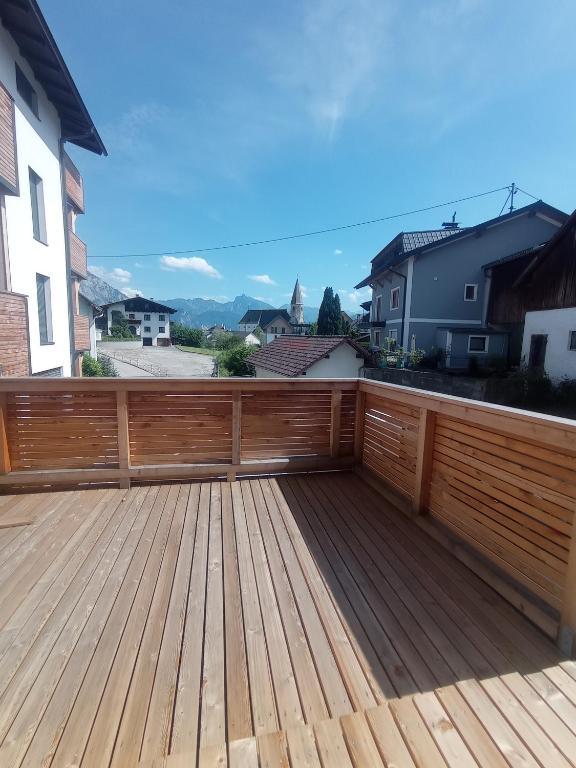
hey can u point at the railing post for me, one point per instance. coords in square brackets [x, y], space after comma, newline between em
[335, 411]
[123, 437]
[236, 431]
[567, 629]
[359, 425]
[4, 449]
[424, 450]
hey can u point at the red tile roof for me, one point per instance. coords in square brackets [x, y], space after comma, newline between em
[293, 355]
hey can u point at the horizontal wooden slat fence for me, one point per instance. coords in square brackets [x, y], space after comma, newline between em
[496, 485]
[501, 480]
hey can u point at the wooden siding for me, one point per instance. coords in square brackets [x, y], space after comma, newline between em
[291, 622]
[78, 256]
[74, 184]
[81, 333]
[549, 282]
[8, 159]
[14, 338]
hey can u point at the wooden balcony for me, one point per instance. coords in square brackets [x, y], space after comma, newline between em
[74, 184]
[8, 158]
[14, 335]
[81, 333]
[333, 618]
[78, 255]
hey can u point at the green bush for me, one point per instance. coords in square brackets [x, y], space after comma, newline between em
[185, 336]
[107, 367]
[91, 366]
[121, 330]
[228, 341]
[234, 360]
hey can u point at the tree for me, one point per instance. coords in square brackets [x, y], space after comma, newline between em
[186, 336]
[234, 360]
[330, 314]
[120, 329]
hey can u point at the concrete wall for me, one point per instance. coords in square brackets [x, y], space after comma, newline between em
[342, 364]
[556, 324]
[37, 143]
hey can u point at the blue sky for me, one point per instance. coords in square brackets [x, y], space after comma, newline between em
[228, 121]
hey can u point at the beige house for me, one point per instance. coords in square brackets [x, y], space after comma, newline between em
[311, 356]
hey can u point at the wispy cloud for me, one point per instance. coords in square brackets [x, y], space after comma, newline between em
[264, 279]
[352, 299]
[189, 263]
[338, 252]
[117, 276]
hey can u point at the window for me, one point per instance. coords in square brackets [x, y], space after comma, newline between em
[572, 341]
[283, 329]
[378, 310]
[470, 292]
[131, 316]
[161, 329]
[274, 329]
[393, 338]
[37, 202]
[146, 329]
[146, 317]
[395, 298]
[477, 343]
[161, 318]
[24, 88]
[376, 338]
[44, 309]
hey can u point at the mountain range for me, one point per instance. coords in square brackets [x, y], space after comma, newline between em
[198, 313]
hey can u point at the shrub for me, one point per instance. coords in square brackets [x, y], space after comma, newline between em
[532, 387]
[228, 341]
[121, 330]
[235, 360]
[107, 367]
[186, 336]
[91, 366]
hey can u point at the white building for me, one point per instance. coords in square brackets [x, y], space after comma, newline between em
[41, 261]
[549, 342]
[277, 322]
[316, 357]
[147, 319]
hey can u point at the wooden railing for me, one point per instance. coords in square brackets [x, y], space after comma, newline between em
[78, 255]
[494, 484]
[74, 184]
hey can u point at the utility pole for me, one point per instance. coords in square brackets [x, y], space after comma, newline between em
[512, 193]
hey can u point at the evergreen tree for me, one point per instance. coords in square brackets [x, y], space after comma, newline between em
[325, 313]
[338, 325]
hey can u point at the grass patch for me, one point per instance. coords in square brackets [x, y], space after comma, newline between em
[199, 350]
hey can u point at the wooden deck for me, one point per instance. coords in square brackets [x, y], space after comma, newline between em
[295, 621]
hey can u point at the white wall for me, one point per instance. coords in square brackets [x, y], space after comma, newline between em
[556, 324]
[37, 148]
[342, 364]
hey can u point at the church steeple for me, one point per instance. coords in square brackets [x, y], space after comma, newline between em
[297, 306]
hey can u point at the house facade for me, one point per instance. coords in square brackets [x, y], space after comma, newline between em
[42, 260]
[315, 357]
[147, 320]
[277, 322]
[430, 290]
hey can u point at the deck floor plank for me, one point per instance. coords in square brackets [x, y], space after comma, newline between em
[262, 622]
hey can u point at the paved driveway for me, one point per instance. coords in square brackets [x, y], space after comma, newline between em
[156, 361]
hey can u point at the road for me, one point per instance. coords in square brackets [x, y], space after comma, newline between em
[156, 361]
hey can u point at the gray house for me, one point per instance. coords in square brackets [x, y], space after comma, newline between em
[430, 291]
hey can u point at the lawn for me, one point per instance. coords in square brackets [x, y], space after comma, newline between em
[199, 350]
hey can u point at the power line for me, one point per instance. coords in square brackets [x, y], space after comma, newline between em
[313, 233]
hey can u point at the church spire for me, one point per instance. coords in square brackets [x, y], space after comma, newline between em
[297, 306]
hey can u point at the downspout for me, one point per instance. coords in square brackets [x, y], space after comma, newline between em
[68, 260]
[404, 292]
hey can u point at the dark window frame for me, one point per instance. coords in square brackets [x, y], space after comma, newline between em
[27, 91]
[37, 207]
[572, 341]
[44, 306]
[147, 329]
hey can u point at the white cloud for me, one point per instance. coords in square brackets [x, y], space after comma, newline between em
[338, 252]
[117, 275]
[132, 292]
[264, 279]
[219, 298]
[352, 299]
[189, 263]
[138, 265]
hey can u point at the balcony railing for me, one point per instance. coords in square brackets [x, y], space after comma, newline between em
[74, 184]
[378, 323]
[81, 333]
[495, 485]
[78, 255]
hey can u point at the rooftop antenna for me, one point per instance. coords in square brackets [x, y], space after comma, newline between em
[513, 190]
